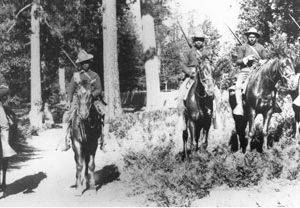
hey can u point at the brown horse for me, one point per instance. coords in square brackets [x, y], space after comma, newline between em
[259, 98]
[198, 113]
[86, 128]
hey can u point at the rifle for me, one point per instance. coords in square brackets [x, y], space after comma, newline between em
[67, 55]
[184, 35]
[294, 21]
[234, 35]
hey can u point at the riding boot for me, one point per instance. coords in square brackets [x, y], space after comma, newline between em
[238, 110]
[64, 143]
[7, 151]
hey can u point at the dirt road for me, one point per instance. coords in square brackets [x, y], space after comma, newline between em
[45, 176]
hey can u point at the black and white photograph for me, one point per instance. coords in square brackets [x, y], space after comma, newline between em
[149, 103]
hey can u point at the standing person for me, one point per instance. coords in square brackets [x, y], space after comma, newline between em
[196, 58]
[7, 151]
[86, 78]
[248, 56]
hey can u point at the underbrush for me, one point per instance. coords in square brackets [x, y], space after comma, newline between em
[156, 168]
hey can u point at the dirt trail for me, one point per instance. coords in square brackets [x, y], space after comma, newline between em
[45, 179]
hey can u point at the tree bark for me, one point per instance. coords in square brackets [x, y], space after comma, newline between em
[152, 63]
[110, 59]
[36, 92]
[135, 9]
[62, 84]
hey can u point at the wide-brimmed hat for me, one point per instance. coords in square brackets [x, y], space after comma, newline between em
[252, 30]
[198, 36]
[84, 56]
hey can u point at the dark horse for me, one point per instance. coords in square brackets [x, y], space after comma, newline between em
[86, 128]
[4, 160]
[198, 113]
[259, 98]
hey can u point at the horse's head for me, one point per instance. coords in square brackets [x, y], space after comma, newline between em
[204, 79]
[286, 70]
[84, 102]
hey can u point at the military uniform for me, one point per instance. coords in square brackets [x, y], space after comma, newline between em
[90, 80]
[245, 59]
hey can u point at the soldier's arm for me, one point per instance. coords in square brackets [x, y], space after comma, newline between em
[263, 54]
[183, 64]
[97, 86]
[241, 61]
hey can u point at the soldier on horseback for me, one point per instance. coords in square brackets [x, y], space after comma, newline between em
[249, 56]
[84, 79]
[196, 58]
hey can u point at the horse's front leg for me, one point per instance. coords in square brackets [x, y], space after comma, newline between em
[193, 135]
[266, 122]
[90, 172]
[79, 166]
[185, 136]
[252, 116]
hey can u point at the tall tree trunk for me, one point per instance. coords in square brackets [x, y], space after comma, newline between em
[110, 51]
[62, 84]
[36, 92]
[152, 63]
[135, 9]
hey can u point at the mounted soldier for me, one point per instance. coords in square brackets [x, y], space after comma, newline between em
[81, 80]
[250, 55]
[196, 58]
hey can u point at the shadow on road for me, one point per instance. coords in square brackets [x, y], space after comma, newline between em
[26, 184]
[106, 175]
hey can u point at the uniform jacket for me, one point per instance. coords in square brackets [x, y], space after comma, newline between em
[192, 58]
[89, 80]
[245, 50]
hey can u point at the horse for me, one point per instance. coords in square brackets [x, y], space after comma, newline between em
[198, 111]
[3, 159]
[259, 98]
[86, 128]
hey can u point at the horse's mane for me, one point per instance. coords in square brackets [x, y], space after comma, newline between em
[270, 64]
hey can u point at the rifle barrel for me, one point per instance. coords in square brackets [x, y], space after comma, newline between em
[67, 55]
[234, 35]
[294, 20]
